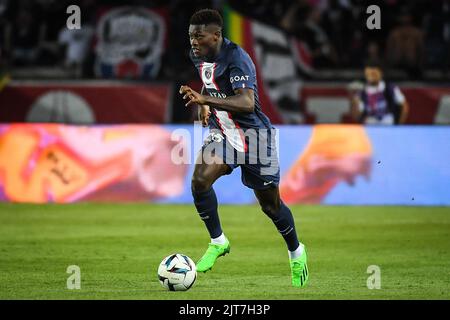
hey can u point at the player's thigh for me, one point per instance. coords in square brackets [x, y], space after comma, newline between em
[206, 173]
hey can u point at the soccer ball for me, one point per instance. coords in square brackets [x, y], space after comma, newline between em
[177, 272]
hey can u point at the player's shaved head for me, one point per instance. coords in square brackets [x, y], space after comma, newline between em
[210, 28]
[205, 33]
[207, 17]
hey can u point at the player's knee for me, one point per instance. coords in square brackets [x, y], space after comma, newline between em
[200, 183]
[270, 209]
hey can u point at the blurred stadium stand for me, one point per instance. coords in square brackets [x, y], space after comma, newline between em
[317, 46]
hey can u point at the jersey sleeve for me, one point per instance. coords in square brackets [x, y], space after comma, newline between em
[242, 70]
[361, 105]
[398, 95]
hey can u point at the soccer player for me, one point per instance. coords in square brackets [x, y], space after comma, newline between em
[231, 109]
[377, 102]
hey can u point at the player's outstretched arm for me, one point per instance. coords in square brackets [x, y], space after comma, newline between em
[354, 107]
[354, 89]
[242, 101]
[404, 112]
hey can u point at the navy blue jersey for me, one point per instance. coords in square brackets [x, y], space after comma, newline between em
[231, 69]
[380, 104]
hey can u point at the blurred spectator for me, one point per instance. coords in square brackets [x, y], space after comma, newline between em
[267, 11]
[376, 101]
[405, 46]
[374, 53]
[24, 35]
[304, 22]
[76, 44]
[437, 35]
[3, 24]
[53, 17]
[296, 13]
[338, 23]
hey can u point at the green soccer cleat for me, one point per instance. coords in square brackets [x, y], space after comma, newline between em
[212, 253]
[299, 270]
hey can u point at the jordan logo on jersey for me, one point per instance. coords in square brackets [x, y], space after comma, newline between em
[207, 74]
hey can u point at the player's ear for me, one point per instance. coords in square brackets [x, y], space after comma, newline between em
[218, 34]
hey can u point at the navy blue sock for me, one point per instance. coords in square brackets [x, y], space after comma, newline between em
[206, 204]
[286, 226]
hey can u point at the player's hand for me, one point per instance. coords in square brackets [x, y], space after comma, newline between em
[354, 88]
[193, 96]
[204, 114]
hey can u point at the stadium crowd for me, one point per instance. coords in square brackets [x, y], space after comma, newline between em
[414, 37]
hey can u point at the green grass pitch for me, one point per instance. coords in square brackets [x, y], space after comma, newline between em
[118, 248]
